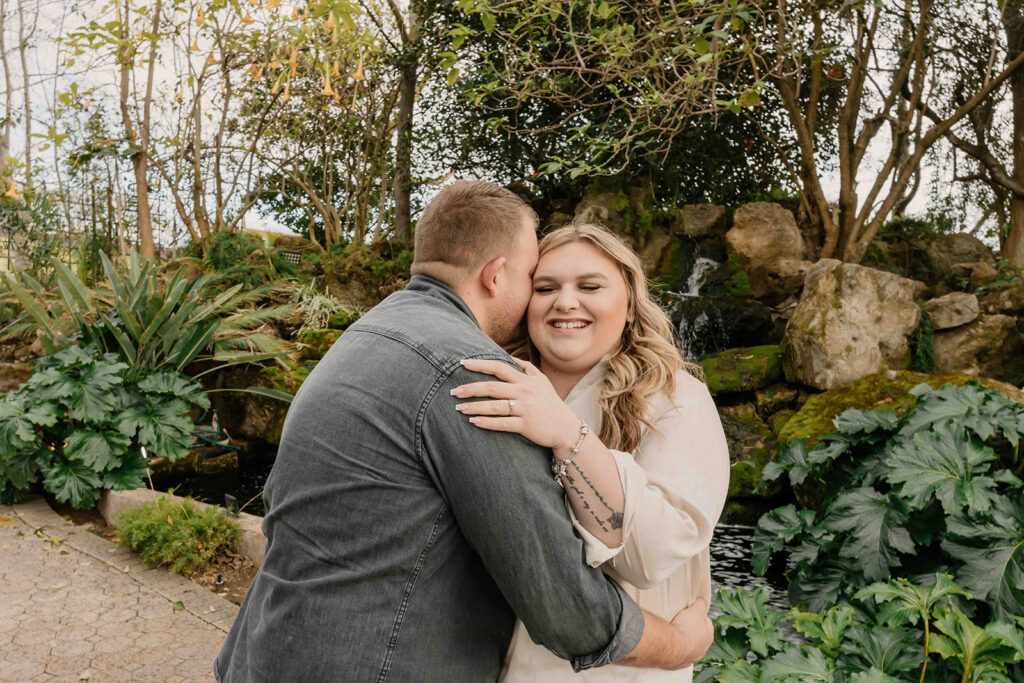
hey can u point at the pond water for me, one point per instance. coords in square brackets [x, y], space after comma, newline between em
[730, 548]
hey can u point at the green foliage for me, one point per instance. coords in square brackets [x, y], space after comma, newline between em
[888, 632]
[151, 325]
[936, 490]
[227, 249]
[922, 345]
[319, 308]
[81, 421]
[180, 536]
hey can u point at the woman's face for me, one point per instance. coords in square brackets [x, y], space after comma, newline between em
[579, 307]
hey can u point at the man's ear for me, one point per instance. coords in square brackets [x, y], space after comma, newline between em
[490, 274]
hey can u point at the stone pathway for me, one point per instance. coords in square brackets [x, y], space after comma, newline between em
[76, 607]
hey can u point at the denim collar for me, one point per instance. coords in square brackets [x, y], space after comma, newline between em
[424, 284]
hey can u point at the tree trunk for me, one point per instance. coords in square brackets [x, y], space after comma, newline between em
[1013, 21]
[23, 38]
[5, 133]
[403, 151]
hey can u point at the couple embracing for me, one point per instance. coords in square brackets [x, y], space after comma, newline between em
[441, 510]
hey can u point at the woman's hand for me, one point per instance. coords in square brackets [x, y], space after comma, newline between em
[521, 403]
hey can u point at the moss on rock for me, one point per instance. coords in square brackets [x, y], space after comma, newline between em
[316, 343]
[743, 369]
[883, 390]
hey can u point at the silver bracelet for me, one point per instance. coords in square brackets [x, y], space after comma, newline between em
[559, 467]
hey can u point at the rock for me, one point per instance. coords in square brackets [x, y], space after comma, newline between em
[657, 244]
[365, 274]
[980, 274]
[708, 324]
[603, 208]
[746, 369]
[946, 251]
[295, 243]
[699, 220]
[885, 390]
[773, 398]
[988, 347]
[952, 310]
[191, 268]
[251, 416]
[316, 343]
[767, 240]
[752, 445]
[1005, 301]
[557, 220]
[13, 375]
[342, 319]
[21, 348]
[851, 322]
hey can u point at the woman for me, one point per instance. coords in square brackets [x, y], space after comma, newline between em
[646, 485]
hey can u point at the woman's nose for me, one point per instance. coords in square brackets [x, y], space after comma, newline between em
[566, 300]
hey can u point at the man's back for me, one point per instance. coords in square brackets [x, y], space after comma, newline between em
[392, 523]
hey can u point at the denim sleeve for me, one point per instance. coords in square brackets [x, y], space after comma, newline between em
[512, 513]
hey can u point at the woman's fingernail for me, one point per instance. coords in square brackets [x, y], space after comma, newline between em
[472, 420]
[462, 362]
[458, 407]
[454, 392]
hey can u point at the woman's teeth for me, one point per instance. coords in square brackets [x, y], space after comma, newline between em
[569, 325]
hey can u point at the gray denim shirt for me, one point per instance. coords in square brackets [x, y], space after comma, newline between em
[402, 541]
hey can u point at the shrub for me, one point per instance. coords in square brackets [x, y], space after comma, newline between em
[176, 535]
[81, 421]
[937, 490]
[227, 249]
[888, 632]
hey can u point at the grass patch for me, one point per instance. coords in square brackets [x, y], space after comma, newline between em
[179, 536]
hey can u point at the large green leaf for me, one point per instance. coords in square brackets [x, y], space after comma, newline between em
[21, 469]
[129, 475]
[912, 602]
[865, 423]
[991, 549]
[793, 459]
[774, 530]
[798, 665]
[750, 610]
[876, 527]
[891, 651]
[947, 463]
[827, 628]
[98, 450]
[72, 483]
[982, 653]
[162, 426]
[19, 418]
[176, 385]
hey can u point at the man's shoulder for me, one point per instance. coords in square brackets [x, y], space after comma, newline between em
[435, 329]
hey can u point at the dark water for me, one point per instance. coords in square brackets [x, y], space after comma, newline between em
[730, 548]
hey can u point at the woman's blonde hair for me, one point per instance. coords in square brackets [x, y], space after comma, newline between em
[647, 361]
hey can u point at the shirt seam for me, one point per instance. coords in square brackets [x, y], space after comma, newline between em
[406, 595]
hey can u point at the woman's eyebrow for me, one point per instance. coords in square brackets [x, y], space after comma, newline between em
[584, 276]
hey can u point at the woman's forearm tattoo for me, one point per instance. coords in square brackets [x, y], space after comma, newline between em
[615, 518]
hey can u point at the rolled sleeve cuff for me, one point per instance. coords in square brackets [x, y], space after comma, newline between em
[625, 640]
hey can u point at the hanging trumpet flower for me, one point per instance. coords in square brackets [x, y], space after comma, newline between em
[200, 17]
[181, 94]
[327, 90]
[275, 64]
[12, 191]
[273, 5]
[254, 3]
[305, 13]
[252, 69]
[295, 14]
[287, 92]
[276, 88]
[359, 75]
[247, 19]
[336, 72]
[330, 22]
[195, 45]
[210, 59]
[337, 98]
[334, 36]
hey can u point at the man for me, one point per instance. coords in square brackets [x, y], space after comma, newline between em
[402, 541]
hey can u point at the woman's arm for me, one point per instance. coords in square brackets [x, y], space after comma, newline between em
[590, 475]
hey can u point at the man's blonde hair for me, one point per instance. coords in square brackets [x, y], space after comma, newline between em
[467, 224]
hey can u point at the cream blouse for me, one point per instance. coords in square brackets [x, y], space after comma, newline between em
[675, 486]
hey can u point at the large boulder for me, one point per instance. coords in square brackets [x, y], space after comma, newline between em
[766, 238]
[1006, 301]
[251, 416]
[885, 390]
[945, 252]
[698, 221]
[988, 347]
[851, 322]
[738, 370]
[752, 445]
[660, 256]
[295, 243]
[708, 324]
[952, 310]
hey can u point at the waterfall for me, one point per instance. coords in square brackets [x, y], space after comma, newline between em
[701, 267]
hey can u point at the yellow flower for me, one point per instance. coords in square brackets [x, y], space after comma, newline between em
[200, 17]
[12, 191]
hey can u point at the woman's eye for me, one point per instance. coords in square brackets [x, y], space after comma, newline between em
[590, 288]
[543, 290]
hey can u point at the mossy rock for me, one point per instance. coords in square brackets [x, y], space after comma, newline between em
[317, 342]
[743, 369]
[251, 416]
[752, 445]
[778, 421]
[342, 319]
[362, 275]
[881, 391]
[670, 266]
